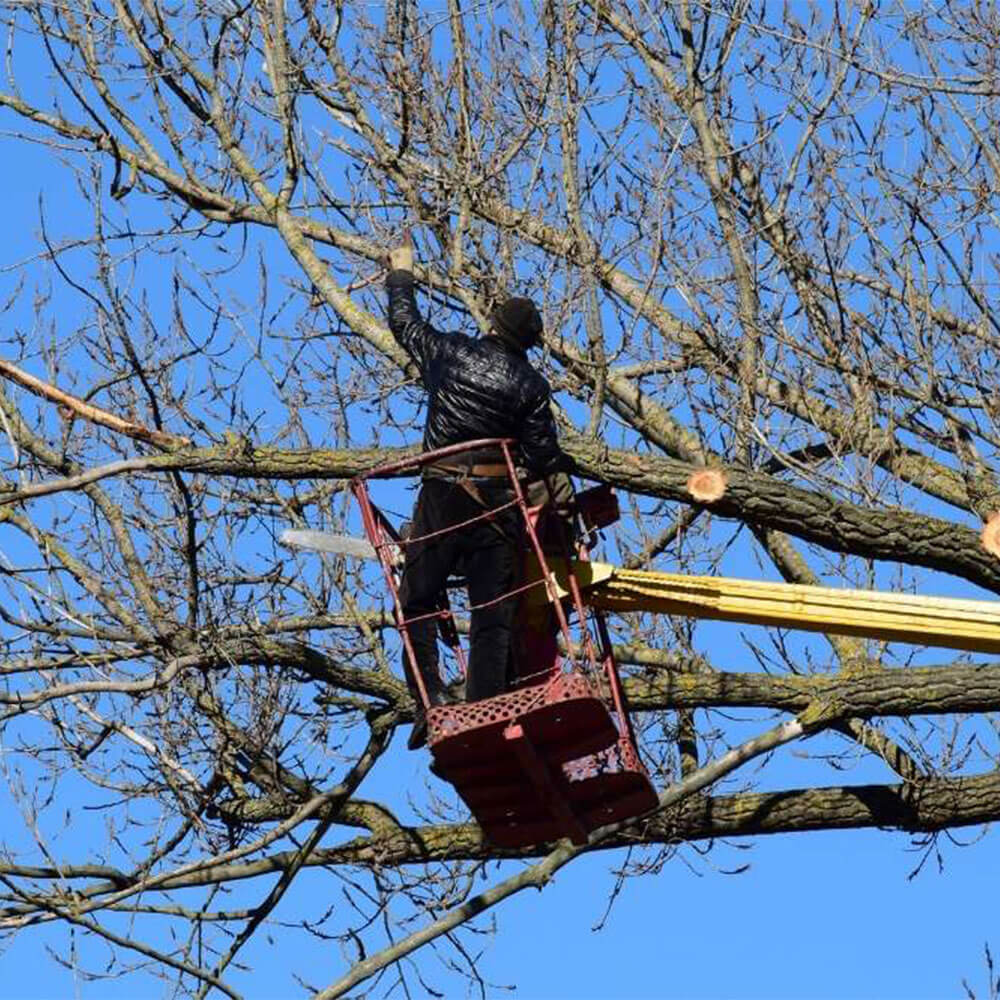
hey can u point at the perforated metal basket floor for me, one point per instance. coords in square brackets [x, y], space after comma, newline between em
[539, 763]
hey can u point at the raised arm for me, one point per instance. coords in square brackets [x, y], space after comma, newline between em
[412, 332]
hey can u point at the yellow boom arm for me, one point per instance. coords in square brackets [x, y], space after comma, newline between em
[926, 621]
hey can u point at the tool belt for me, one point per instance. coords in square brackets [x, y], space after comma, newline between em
[475, 470]
[479, 463]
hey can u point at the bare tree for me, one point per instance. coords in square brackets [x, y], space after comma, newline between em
[762, 245]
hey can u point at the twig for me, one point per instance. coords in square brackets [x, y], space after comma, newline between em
[75, 482]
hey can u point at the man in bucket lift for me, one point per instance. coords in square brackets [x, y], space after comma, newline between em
[477, 388]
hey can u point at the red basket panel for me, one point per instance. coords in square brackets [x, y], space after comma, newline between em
[563, 718]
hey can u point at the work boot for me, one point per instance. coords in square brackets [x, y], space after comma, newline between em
[418, 734]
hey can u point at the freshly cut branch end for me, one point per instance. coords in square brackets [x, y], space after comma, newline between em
[707, 484]
[991, 534]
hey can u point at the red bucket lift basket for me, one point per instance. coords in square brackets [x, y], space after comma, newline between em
[556, 757]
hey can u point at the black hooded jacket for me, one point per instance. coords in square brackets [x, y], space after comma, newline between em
[477, 387]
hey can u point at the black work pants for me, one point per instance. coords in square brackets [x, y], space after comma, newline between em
[488, 552]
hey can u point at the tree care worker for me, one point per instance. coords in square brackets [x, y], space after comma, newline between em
[477, 388]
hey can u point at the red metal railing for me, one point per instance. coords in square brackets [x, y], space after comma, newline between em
[376, 528]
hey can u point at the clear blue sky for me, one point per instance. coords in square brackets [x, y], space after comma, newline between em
[816, 916]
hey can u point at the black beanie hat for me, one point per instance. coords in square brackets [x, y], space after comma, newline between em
[518, 320]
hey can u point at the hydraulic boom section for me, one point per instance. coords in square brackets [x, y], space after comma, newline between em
[953, 623]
